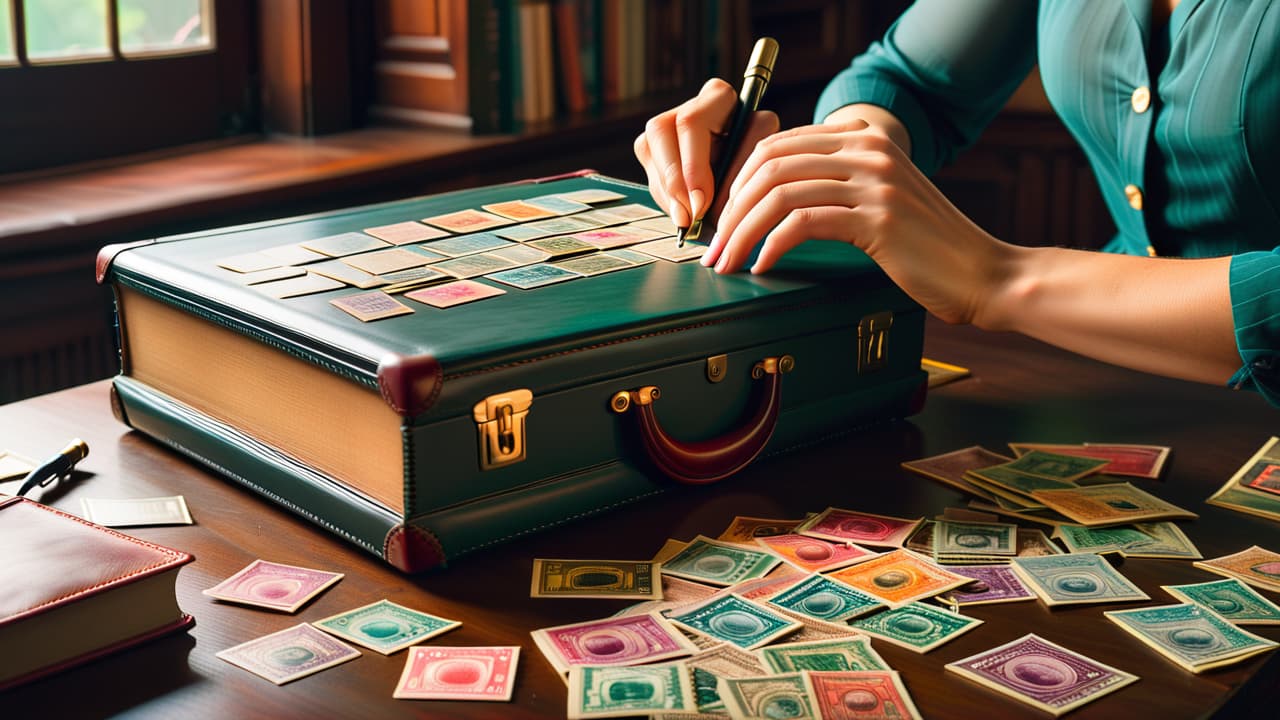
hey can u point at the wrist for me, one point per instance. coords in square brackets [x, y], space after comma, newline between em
[1011, 285]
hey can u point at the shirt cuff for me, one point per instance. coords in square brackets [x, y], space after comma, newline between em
[870, 80]
[1255, 310]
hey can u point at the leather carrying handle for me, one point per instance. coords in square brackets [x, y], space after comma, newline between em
[706, 461]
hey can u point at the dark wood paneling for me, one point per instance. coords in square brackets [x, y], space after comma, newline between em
[305, 50]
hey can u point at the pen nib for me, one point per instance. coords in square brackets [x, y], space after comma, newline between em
[679, 237]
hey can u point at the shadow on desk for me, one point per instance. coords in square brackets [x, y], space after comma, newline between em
[137, 676]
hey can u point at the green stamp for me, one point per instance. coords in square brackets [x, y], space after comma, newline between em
[385, 626]
[736, 620]
[1189, 634]
[962, 538]
[1231, 599]
[826, 599]
[612, 691]
[718, 563]
[771, 696]
[842, 655]
[1058, 467]
[916, 626]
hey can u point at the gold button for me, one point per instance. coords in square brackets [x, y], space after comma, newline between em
[1141, 99]
[1151, 251]
[1135, 196]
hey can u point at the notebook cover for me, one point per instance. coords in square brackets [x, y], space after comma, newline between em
[53, 559]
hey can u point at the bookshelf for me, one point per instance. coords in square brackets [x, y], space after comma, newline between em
[517, 66]
[1025, 181]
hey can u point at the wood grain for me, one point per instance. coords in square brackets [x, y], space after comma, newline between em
[1021, 390]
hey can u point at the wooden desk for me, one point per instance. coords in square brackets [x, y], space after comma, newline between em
[1021, 391]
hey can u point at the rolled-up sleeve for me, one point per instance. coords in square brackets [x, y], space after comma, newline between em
[1255, 309]
[944, 69]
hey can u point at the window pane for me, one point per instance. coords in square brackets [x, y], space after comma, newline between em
[6, 33]
[59, 29]
[163, 25]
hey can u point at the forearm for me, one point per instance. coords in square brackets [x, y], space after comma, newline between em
[1166, 316]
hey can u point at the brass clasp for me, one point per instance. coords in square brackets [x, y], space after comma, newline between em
[873, 341]
[500, 423]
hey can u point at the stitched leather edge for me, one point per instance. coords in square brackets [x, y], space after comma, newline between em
[642, 336]
[172, 557]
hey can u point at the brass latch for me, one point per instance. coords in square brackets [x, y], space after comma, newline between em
[873, 341]
[500, 424]
[717, 367]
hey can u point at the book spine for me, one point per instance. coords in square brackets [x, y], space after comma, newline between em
[568, 42]
[545, 64]
[589, 51]
[637, 17]
[611, 51]
[484, 80]
[528, 62]
[509, 64]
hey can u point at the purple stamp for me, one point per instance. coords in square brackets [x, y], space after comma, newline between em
[1042, 674]
[290, 654]
[991, 584]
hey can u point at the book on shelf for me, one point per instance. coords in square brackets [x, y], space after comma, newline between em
[72, 591]
[517, 62]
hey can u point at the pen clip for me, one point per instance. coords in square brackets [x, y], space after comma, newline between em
[55, 468]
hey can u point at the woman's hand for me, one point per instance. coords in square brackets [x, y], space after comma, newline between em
[677, 147]
[850, 182]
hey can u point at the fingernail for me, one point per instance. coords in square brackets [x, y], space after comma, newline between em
[697, 203]
[678, 215]
[724, 262]
[705, 260]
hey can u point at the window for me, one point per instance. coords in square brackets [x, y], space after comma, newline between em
[86, 79]
[6, 34]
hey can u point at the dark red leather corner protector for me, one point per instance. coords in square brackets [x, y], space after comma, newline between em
[410, 384]
[916, 403]
[109, 253]
[412, 549]
[707, 461]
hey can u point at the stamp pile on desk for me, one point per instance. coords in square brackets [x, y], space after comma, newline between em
[780, 618]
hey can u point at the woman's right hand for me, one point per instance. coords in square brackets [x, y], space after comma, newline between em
[677, 148]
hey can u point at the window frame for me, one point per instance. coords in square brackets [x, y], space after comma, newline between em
[89, 109]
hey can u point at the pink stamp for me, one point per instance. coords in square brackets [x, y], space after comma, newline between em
[455, 293]
[458, 673]
[612, 641]
[857, 527]
[273, 586]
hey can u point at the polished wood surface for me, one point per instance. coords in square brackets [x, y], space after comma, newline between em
[1020, 391]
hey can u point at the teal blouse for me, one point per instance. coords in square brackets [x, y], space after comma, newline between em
[1181, 124]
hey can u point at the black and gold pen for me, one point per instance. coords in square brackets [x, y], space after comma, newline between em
[754, 81]
[56, 467]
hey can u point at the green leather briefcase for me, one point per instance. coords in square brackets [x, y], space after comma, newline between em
[437, 431]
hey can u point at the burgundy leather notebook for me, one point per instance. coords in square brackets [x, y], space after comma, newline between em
[72, 591]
